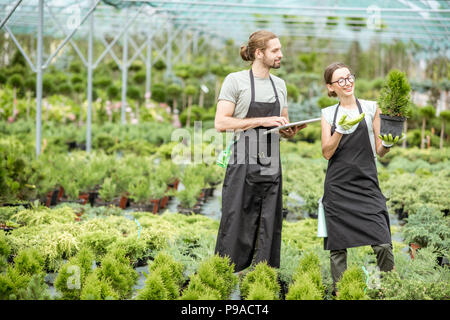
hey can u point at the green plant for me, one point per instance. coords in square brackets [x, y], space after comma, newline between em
[352, 284]
[139, 189]
[214, 280]
[304, 288]
[24, 280]
[417, 279]
[164, 280]
[394, 99]
[259, 291]
[262, 274]
[325, 101]
[115, 267]
[310, 264]
[428, 227]
[5, 250]
[72, 275]
[29, 261]
[217, 273]
[198, 290]
[426, 113]
[307, 283]
[108, 190]
[95, 288]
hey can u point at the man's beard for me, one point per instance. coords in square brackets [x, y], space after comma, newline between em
[274, 65]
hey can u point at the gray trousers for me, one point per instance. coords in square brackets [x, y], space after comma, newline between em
[338, 260]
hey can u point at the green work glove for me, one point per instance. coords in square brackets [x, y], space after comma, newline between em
[345, 125]
[388, 140]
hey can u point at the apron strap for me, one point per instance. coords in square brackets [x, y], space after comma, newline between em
[333, 127]
[252, 82]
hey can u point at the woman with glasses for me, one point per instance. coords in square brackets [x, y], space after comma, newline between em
[355, 209]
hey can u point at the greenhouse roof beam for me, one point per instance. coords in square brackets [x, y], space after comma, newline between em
[175, 34]
[20, 49]
[110, 45]
[280, 23]
[10, 14]
[289, 7]
[63, 29]
[303, 13]
[49, 60]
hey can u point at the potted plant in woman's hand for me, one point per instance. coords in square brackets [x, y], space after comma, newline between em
[394, 103]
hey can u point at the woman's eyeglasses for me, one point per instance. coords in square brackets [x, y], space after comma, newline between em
[342, 82]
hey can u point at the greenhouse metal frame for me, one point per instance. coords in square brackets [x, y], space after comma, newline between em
[424, 22]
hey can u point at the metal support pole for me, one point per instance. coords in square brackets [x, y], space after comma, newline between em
[183, 47]
[148, 65]
[195, 45]
[10, 14]
[124, 71]
[169, 52]
[39, 78]
[89, 83]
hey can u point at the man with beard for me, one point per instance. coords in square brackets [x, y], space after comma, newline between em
[251, 102]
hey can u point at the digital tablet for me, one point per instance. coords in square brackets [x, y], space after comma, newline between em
[292, 124]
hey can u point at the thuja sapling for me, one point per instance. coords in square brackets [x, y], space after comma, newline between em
[161, 283]
[394, 102]
[261, 274]
[108, 190]
[352, 285]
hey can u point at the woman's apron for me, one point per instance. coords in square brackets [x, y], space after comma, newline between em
[251, 196]
[355, 209]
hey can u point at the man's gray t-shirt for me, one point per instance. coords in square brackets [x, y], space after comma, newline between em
[237, 88]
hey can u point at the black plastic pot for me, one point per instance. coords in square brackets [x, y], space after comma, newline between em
[92, 196]
[391, 125]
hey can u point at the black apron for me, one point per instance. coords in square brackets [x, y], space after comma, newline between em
[251, 196]
[355, 209]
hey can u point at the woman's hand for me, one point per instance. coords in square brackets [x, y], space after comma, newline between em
[345, 125]
[388, 140]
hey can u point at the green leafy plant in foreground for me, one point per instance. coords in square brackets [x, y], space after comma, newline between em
[164, 280]
[352, 284]
[263, 275]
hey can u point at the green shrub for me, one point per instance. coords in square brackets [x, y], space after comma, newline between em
[5, 251]
[155, 287]
[417, 279]
[98, 241]
[310, 264]
[217, 273]
[262, 274]
[352, 284]
[259, 291]
[198, 290]
[428, 227]
[115, 267]
[11, 282]
[304, 288]
[164, 281]
[394, 98]
[95, 288]
[307, 279]
[29, 261]
[72, 275]
[36, 289]
[24, 280]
